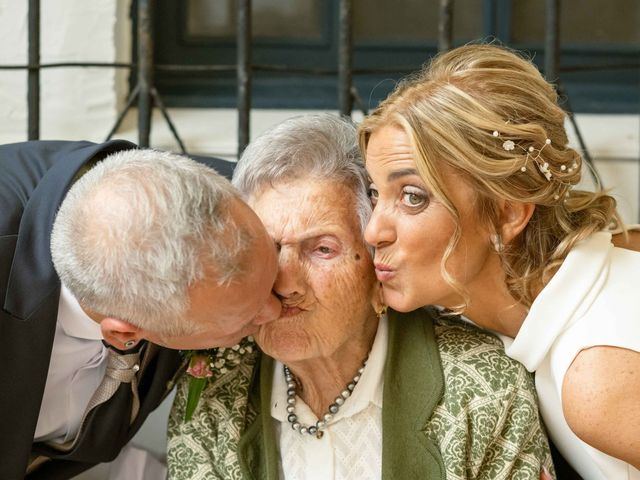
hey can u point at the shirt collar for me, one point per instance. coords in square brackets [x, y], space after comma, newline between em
[73, 320]
[368, 391]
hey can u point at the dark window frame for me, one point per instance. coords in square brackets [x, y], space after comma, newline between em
[597, 91]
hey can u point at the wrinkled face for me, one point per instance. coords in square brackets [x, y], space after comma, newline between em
[227, 313]
[325, 275]
[411, 229]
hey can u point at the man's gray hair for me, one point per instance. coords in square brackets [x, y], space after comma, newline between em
[138, 229]
[318, 146]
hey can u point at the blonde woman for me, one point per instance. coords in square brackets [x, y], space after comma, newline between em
[475, 210]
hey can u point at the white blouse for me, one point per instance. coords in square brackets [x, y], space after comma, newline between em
[593, 299]
[351, 447]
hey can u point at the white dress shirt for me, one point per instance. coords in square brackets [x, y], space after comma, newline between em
[351, 446]
[77, 366]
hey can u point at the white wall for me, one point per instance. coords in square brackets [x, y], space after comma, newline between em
[75, 102]
[614, 143]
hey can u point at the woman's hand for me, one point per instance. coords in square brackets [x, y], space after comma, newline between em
[630, 242]
[544, 474]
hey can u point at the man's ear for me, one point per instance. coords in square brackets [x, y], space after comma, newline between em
[514, 217]
[120, 333]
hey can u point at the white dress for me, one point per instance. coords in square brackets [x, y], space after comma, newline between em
[593, 299]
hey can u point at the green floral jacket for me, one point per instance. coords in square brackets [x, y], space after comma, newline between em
[461, 409]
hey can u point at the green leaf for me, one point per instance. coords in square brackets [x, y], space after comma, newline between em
[196, 385]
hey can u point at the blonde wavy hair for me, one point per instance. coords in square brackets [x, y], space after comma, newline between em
[485, 112]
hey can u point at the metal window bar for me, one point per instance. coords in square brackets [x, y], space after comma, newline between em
[445, 26]
[345, 58]
[551, 72]
[145, 91]
[33, 87]
[244, 73]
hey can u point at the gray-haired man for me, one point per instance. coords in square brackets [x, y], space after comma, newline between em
[149, 249]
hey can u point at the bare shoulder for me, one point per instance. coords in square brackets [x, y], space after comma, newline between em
[601, 400]
[631, 242]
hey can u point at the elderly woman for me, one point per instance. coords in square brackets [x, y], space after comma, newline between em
[475, 211]
[338, 389]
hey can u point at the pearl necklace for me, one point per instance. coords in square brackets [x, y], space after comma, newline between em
[320, 425]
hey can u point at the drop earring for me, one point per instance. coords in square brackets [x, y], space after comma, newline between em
[380, 308]
[496, 240]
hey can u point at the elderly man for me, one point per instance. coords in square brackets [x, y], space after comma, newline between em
[151, 250]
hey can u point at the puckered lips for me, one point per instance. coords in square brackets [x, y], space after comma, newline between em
[384, 272]
[290, 310]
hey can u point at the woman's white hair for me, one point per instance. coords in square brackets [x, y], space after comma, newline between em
[318, 146]
[138, 229]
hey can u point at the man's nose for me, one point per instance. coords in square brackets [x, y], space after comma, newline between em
[270, 312]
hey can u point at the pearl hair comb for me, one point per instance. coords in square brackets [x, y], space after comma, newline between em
[535, 155]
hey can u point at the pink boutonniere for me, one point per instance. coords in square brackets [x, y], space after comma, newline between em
[206, 365]
[200, 366]
[200, 370]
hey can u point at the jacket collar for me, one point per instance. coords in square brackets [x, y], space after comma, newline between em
[257, 450]
[413, 387]
[32, 278]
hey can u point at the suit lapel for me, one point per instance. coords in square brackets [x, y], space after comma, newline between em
[413, 386]
[25, 360]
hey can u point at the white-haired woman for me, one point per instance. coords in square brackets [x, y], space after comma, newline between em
[475, 211]
[342, 391]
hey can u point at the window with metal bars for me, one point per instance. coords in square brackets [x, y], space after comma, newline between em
[294, 48]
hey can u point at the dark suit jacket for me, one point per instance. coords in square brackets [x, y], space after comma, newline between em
[34, 178]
